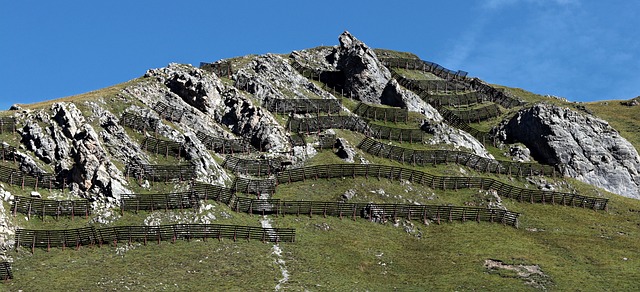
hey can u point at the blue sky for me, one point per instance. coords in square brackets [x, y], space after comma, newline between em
[581, 50]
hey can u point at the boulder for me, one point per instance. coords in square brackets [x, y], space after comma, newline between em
[365, 76]
[586, 147]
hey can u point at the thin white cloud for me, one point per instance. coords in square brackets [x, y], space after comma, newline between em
[498, 4]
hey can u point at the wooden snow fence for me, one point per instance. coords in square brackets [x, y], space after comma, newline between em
[7, 152]
[379, 113]
[5, 271]
[433, 157]
[54, 208]
[329, 171]
[220, 68]
[36, 181]
[303, 105]
[254, 167]
[375, 212]
[479, 114]
[163, 147]
[254, 186]
[169, 113]
[161, 172]
[493, 93]
[356, 124]
[7, 125]
[91, 236]
[225, 145]
[152, 202]
[139, 123]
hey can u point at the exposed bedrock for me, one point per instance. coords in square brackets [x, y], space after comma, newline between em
[589, 149]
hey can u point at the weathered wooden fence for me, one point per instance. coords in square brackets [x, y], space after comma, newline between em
[139, 123]
[220, 68]
[303, 106]
[254, 186]
[16, 177]
[494, 94]
[7, 152]
[164, 147]
[439, 182]
[169, 113]
[297, 139]
[7, 125]
[225, 145]
[159, 172]
[255, 167]
[326, 141]
[54, 208]
[69, 238]
[5, 271]
[379, 113]
[376, 212]
[152, 202]
[356, 124]
[427, 157]
[477, 114]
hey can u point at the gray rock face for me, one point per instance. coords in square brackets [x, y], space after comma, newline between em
[365, 76]
[395, 95]
[590, 149]
[344, 150]
[445, 134]
[93, 170]
[193, 85]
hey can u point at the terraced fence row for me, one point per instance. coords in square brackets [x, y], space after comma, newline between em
[297, 139]
[494, 94]
[225, 145]
[139, 123]
[220, 68]
[303, 106]
[5, 271]
[379, 113]
[160, 172]
[152, 202]
[438, 98]
[7, 125]
[16, 177]
[333, 80]
[439, 182]
[54, 208]
[254, 186]
[356, 124]
[478, 114]
[169, 113]
[426, 66]
[428, 157]
[69, 238]
[321, 123]
[163, 147]
[254, 167]
[7, 152]
[376, 212]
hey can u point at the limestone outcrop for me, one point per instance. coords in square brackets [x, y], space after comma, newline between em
[589, 149]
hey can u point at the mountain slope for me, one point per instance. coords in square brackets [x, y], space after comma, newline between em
[245, 126]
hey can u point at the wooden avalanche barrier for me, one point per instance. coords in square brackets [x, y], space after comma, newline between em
[427, 157]
[5, 271]
[7, 125]
[439, 182]
[139, 123]
[54, 208]
[75, 238]
[225, 145]
[38, 181]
